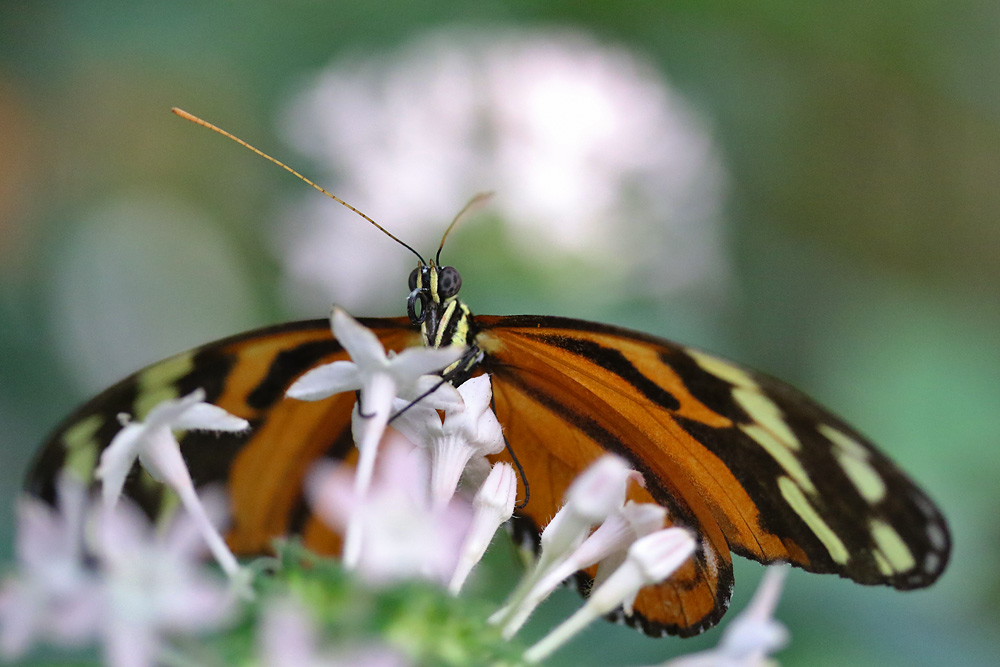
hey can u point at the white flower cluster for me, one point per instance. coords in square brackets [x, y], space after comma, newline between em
[422, 502]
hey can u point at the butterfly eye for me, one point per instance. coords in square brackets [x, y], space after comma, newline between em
[449, 282]
[413, 278]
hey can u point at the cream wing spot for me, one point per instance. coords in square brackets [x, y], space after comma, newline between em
[891, 546]
[723, 369]
[865, 478]
[159, 383]
[846, 443]
[82, 447]
[765, 412]
[800, 504]
[780, 453]
[882, 564]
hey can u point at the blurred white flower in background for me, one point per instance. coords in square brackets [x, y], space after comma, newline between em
[590, 151]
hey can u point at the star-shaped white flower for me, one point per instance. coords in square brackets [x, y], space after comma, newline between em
[153, 584]
[649, 560]
[469, 430]
[153, 443]
[594, 495]
[380, 378]
[404, 537]
[51, 595]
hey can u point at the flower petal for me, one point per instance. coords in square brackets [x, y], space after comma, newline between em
[207, 417]
[117, 460]
[413, 362]
[364, 346]
[326, 380]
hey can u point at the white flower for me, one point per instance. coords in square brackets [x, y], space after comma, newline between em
[404, 537]
[493, 506]
[594, 495]
[51, 595]
[379, 378]
[752, 636]
[650, 560]
[469, 430]
[608, 545]
[153, 587]
[154, 444]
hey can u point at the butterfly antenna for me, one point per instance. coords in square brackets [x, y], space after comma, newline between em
[474, 203]
[204, 123]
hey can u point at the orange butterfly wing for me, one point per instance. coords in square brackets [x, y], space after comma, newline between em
[246, 375]
[747, 462]
[711, 439]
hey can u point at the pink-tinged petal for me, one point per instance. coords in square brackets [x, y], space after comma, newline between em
[130, 644]
[120, 530]
[330, 490]
[288, 638]
[600, 489]
[360, 343]
[287, 635]
[21, 618]
[325, 381]
[208, 417]
[185, 538]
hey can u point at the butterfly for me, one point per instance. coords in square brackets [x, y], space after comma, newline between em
[750, 464]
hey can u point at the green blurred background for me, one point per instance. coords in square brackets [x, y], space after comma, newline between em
[812, 190]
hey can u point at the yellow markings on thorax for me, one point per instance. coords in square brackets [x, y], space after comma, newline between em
[794, 496]
[434, 284]
[82, 447]
[462, 327]
[158, 383]
[854, 460]
[449, 312]
[891, 553]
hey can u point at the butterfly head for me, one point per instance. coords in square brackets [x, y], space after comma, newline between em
[434, 305]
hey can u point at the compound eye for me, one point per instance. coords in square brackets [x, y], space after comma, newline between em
[449, 282]
[413, 278]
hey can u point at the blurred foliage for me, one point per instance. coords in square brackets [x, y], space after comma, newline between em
[862, 141]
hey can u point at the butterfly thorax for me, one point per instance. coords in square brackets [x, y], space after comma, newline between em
[444, 319]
